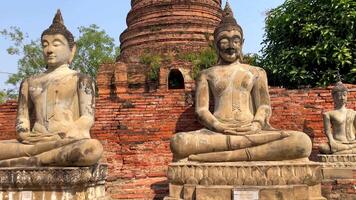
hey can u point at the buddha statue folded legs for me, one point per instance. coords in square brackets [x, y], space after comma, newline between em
[65, 152]
[208, 146]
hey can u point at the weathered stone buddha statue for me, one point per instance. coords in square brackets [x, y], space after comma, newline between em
[55, 110]
[340, 125]
[238, 129]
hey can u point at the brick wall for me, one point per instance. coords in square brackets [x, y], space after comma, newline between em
[340, 189]
[7, 120]
[135, 128]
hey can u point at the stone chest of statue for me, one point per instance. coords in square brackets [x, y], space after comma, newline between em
[55, 110]
[238, 149]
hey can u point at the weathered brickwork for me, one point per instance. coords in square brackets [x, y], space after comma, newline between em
[7, 120]
[135, 129]
[135, 121]
[339, 189]
[166, 28]
[166, 25]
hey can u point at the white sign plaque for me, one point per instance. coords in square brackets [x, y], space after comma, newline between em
[26, 195]
[246, 194]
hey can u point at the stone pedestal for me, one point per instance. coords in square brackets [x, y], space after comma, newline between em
[284, 180]
[339, 176]
[338, 166]
[53, 183]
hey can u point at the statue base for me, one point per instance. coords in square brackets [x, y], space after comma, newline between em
[53, 183]
[339, 176]
[338, 166]
[287, 180]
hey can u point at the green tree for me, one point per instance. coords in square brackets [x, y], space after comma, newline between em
[94, 47]
[307, 42]
[252, 59]
[7, 95]
[2, 97]
[31, 59]
[204, 59]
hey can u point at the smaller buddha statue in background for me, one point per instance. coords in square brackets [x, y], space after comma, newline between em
[340, 125]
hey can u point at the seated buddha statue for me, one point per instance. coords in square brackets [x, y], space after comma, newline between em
[55, 110]
[238, 129]
[339, 125]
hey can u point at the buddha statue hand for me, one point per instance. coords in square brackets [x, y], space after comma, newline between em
[33, 137]
[350, 142]
[234, 129]
[80, 129]
[256, 127]
[336, 146]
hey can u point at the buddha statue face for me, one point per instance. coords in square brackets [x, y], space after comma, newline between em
[56, 50]
[229, 45]
[339, 93]
[340, 98]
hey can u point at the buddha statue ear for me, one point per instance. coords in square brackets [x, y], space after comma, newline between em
[72, 54]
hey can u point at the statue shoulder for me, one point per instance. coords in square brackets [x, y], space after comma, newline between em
[86, 83]
[84, 78]
[256, 70]
[328, 113]
[34, 77]
[25, 81]
[204, 73]
[351, 111]
[31, 78]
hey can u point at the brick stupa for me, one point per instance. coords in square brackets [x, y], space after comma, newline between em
[163, 26]
[167, 29]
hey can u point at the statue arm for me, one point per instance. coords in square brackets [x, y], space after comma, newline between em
[260, 96]
[328, 130]
[355, 122]
[86, 105]
[86, 99]
[354, 125]
[23, 112]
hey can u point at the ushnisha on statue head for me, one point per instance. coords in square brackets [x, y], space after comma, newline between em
[58, 43]
[228, 38]
[58, 27]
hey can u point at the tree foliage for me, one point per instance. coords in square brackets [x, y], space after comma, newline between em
[204, 59]
[94, 47]
[252, 59]
[31, 59]
[307, 42]
[153, 61]
[7, 95]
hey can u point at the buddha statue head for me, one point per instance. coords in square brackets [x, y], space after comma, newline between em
[339, 93]
[58, 43]
[228, 38]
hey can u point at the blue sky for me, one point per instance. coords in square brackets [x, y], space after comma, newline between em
[35, 16]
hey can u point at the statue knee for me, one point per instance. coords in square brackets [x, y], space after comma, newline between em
[92, 151]
[302, 143]
[325, 148]
[178, 145]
